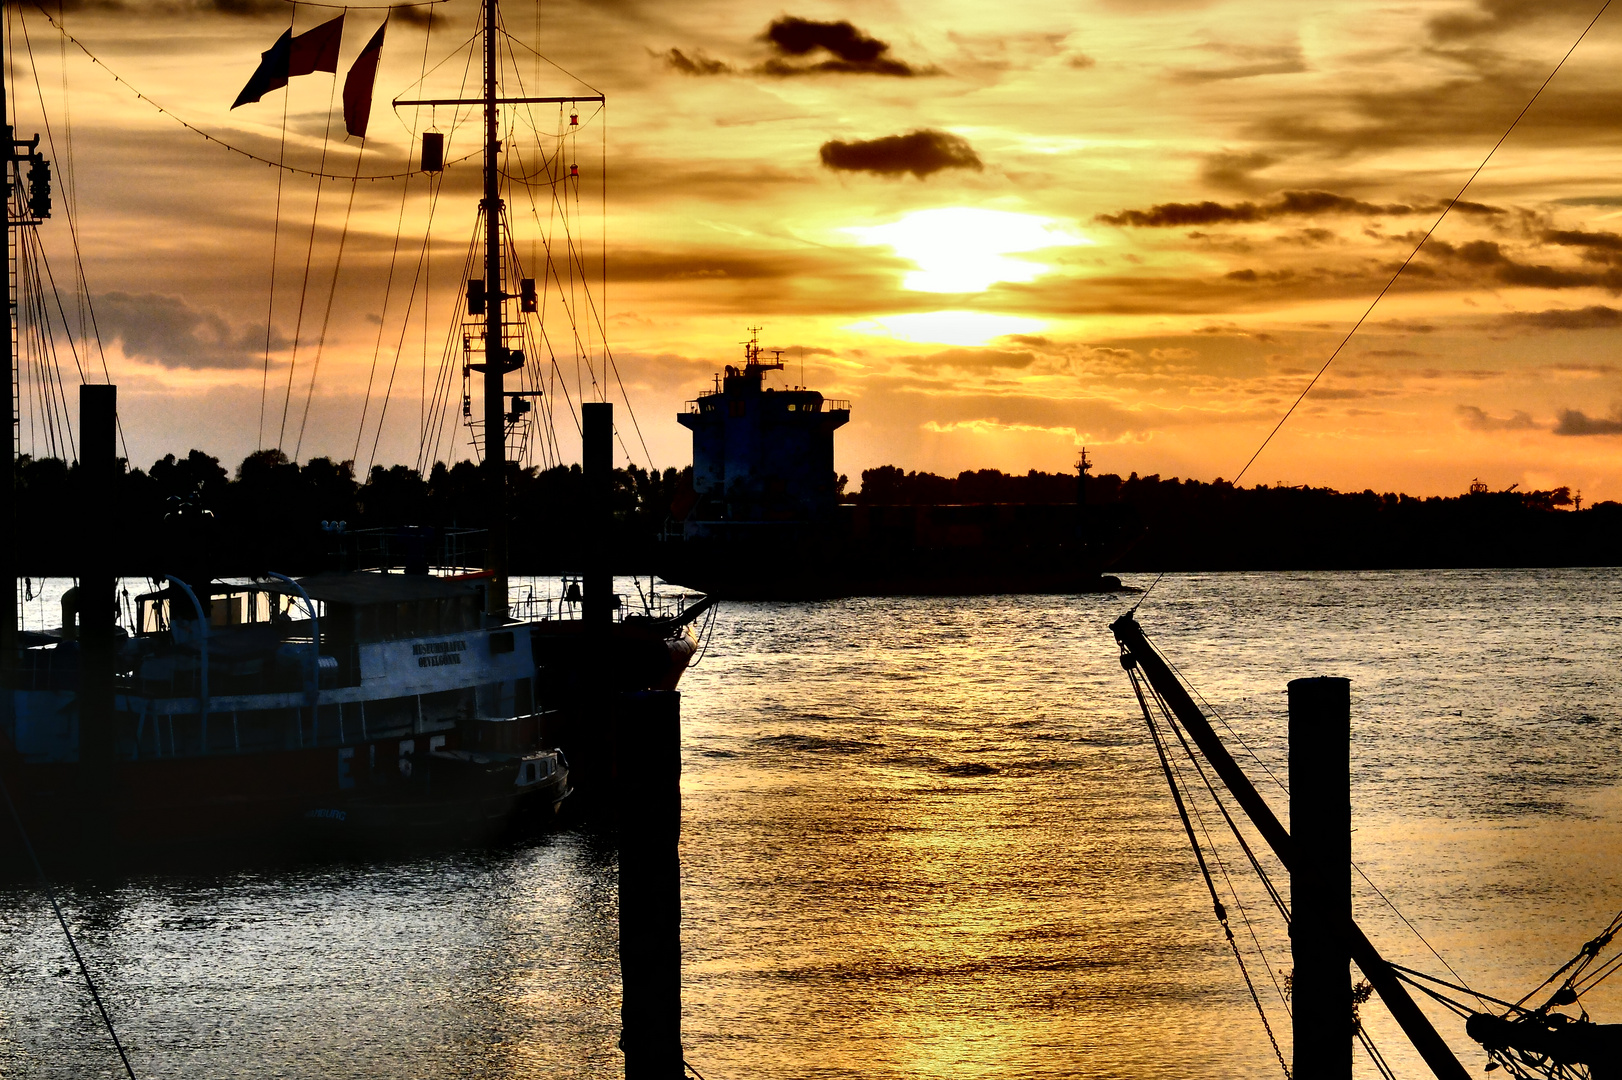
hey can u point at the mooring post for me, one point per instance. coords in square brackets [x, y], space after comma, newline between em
[597, 467]
[647, 794]
[1321, 880]
[98, 488]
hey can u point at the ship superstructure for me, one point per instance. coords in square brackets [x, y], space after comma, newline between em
[763, 458]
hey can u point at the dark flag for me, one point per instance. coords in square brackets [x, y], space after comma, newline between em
[271, 73]
[358, 84]
[314, 50]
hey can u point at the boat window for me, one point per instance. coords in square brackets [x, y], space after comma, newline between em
[501, 642]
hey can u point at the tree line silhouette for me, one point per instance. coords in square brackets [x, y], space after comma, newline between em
[274, 514]
[1150, 523]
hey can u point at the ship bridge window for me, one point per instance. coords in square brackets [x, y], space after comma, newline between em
[736, 408]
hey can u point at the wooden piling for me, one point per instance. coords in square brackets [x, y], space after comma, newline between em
[98, 489]
[1321, 879]
[647, 796]
[597, 465]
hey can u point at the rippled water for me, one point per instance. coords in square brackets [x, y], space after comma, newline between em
[922, 838]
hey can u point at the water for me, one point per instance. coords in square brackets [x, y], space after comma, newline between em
[922, 838]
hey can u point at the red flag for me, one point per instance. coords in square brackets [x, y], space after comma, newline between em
[316, 49]
[358, 84]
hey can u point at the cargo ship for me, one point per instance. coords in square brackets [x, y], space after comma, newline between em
[766, 520]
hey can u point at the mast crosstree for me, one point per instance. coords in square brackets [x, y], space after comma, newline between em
[497, 359]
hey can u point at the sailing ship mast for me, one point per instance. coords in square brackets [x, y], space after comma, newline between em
[39, 206]
[498, 359]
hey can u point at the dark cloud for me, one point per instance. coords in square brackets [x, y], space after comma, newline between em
[1233, 170]
[1488, 254]
[851, 51]
[1081, 61]
[697, 64]
[1597, 247]
[1577, 422]
[1477, 419]
[1286, 204]
[1498, 16]
[1589, 318]
[421, 15]
[919, 152]
[166, 330]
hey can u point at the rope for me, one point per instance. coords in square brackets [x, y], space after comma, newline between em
[1451, 203]
[70, 212]
[1405, 263]
[304, 286]
[388, 291]
[332, 291]
[1199, 855]
[50, 893]
[1374, 1054]
[275, 246]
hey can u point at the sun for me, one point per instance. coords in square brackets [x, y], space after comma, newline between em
[960, 249]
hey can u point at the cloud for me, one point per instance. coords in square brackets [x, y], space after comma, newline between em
[1287, 204]
[1589, 318]
[1488, 253]
[1597, 247]
[166, 330]
[1576, 422]
[1477, 419]
[919, 152]
[1232, 170]
[1252, 60]
[1498, 16]
[697, 64]
[853, 52]
[973, 359]
[416, 15]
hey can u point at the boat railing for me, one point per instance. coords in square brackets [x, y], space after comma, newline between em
[526, 604]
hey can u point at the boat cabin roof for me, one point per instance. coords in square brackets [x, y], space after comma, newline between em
[363, 588]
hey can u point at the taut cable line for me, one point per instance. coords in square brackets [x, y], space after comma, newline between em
[1405, 264]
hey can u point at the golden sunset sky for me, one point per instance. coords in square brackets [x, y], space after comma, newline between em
[1002, 230]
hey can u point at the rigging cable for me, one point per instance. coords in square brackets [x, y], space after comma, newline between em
[216, 140]
[1405, 263]
[275, 245]
[309, 255]
[388, 288]
[70, 211]
[1199, 855]
[50, 893]
[1211, 710]
[332, 292]
[1171, 722]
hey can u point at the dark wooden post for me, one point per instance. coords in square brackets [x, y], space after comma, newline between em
[647, 728]
[597, 465]
[1321, 879]
[98, 465]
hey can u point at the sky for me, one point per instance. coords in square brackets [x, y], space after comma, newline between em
[1002, 231]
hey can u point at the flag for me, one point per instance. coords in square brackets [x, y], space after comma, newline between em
[314, 50]
[358, 84]
[271, 73]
